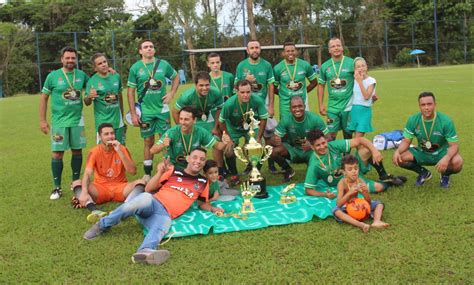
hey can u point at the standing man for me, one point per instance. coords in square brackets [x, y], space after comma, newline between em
[203, 98]
[290, 138]
[290, 79]
[147, 77]
[338, 73]
[222, 80]
[437, 143]
[234, 120]
[176, 190]
[179, 140]
[259, 73]
[65, 86]
[108, 162]
[105, 91]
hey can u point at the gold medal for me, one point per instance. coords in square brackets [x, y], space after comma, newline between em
[204, 117]
[152, 82]
[330, 178]
[246, 126]
[428, 144]
[337, 81]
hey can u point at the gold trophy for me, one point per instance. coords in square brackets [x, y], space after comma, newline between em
[247, 192]
[286, 196]
[254, 153]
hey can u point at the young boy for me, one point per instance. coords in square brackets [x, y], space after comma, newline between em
[211, 170]
[348, 188]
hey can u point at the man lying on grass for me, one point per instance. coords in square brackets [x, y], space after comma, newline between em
[177, 189]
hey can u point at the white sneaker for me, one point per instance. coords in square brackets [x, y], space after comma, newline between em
[146, 177]
[56, 193]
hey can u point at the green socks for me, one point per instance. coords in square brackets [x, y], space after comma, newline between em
[57, 169]
[76, 164]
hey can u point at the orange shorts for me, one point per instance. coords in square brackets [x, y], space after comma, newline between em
[110, 192]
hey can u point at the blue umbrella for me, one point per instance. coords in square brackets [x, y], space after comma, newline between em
[417, 52]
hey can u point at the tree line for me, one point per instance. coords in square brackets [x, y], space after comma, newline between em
[384, 32]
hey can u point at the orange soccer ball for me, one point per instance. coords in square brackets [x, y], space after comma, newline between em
[358, 208]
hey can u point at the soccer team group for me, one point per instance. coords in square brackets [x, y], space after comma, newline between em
[215, 115]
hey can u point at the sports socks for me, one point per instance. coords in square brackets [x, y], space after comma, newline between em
[148, 166]
[413, 166]
[231, 164]
[282, 162]
[379, 168]
[57, 169]
[76, 164]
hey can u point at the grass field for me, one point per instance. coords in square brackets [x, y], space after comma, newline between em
[430, 240]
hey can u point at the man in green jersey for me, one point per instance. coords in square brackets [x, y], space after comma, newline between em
[203, 98]
[147, 77]
[324, 171]
[290, 78]
[437, 143]
[259, 73]
[64, 86]
[222, 80]
[338, 74]
[180, 140]
[105, 91]
[289, 141]
[235, 121]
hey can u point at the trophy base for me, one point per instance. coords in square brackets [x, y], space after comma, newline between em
[262, 186]
[247, 207]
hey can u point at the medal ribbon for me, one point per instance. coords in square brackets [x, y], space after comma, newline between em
[214, 82]
[428, 136]
[149, 73]
[292, 78]
[187, 148]
[73, 78]
[203, 108]
[242, 110]
[340, 67]
[324, 165]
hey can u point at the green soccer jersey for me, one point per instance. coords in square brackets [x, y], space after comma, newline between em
[224, 83]
[438, 135]
[321, 169]
[340, 95]
[232, 112]
[296, 132]
[181, 144]
[66, 103]
[140, 74]
[213, 188]
[262, 72]
[290, 79]
[107, 104]
[203, 104]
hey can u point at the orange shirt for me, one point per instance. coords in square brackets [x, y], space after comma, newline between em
[108, 166]
[179, 190]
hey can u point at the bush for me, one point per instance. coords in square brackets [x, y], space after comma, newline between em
[454, 56]
[403, 57]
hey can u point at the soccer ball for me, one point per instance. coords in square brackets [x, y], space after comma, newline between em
[358, 208]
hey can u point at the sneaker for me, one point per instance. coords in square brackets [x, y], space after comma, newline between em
[95, 216]
[146, 177]
[444, 181]
[234, 180]
[392, 180]
[56, 193]
[93, 232]
[151, 256]
[75, 203]
[290, 172]
[422, 178]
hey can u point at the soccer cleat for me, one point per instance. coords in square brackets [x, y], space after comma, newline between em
[95, 216]
[444, 181]
[391, 180]
[151, 256]
[423, 177]
[234, 180]
[75, 203]
[93, 232]
[290, 172]
[56, 193]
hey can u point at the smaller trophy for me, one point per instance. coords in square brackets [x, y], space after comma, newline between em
[247, 192]
[286, 196]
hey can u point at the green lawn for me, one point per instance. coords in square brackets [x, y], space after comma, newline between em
[430, 240]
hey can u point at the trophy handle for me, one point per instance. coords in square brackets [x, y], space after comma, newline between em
[267, 152]
[240, 154]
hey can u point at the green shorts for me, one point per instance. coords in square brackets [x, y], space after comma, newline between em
[157, 124]
[297, 155]
[120, 135]
[360, 119]
[235, 135]
[427, 158]
[64, 138]
[339, 121]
